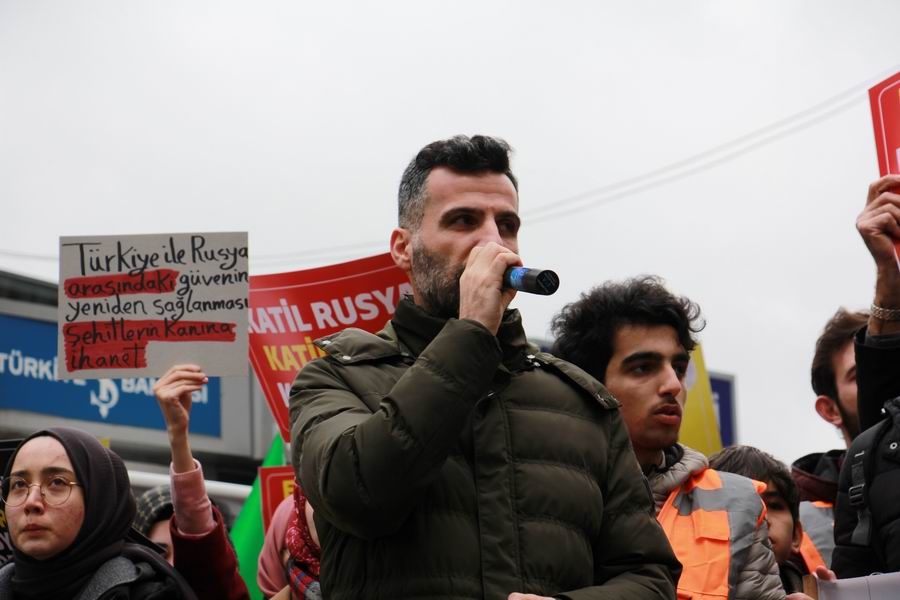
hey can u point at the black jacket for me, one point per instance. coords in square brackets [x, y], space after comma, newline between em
[878, 374]
[445, 462]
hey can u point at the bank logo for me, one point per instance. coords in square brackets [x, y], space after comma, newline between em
[107, 398]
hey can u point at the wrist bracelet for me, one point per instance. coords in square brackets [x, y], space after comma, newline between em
[885, 314]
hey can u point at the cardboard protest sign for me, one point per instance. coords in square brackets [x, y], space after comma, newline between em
[288, 311]
[885, 101]
[135, 305]
[275, 484]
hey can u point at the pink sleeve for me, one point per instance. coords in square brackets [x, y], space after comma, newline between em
[271, 575]
[193, 510]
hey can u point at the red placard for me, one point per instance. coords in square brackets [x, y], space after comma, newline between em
[275, 484]
[290, 310]
[885, 100]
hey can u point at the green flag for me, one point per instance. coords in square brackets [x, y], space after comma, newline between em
[247, 532]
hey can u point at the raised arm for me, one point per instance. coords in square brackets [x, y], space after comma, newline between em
[879, 226]
[202, 552]
[173, 393]
[877, 352]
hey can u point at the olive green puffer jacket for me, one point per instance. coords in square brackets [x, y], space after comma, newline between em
[445, 462]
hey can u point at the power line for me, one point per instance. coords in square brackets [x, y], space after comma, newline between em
[707, 159]
[27, 256]
[335, 252]
[315, 251]
[345, 250]
[681, 170]
[617, 190]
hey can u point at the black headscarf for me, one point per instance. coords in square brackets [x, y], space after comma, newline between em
[108, 512]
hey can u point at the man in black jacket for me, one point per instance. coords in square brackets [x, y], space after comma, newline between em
[855, 370]
[446, 457]
[834, 383]
[860, 551]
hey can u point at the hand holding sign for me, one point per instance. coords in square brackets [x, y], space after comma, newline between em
[879, 226]
[173, 392]
[879, 222]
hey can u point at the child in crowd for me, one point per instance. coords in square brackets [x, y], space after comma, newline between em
[782, 499]
[155, 509]
[154, 514]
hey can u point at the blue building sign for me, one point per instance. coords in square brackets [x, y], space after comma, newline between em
[723, 400]
[28, 382]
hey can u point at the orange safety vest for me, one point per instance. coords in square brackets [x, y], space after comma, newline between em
[818, 533]
[711, 521]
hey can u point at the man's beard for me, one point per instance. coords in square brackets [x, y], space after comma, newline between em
[850, 422]
[437, 284]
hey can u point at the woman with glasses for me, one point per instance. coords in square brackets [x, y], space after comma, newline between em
[69, 510]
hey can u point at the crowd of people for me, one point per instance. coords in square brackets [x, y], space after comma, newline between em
[448, 457]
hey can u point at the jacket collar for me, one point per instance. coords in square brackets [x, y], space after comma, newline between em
[663, 482]
[415, 329]
[410, 331]
[817, 475]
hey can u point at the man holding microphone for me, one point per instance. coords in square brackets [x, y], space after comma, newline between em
[446, 456]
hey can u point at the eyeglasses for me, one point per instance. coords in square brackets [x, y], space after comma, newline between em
[55, 490]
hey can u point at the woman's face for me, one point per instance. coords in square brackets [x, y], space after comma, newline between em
[38, 529]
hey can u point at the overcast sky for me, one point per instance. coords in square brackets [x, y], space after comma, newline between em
[725, 146]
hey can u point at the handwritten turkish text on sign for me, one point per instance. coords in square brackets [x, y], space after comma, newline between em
[135, 305]
[288, 311]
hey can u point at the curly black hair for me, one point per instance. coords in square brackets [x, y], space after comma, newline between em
[585, 329]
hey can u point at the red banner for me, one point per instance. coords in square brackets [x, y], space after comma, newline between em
[288, 311]
[275, 484]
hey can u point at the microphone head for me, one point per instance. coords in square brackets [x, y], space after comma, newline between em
[547, 281]
[533, 281]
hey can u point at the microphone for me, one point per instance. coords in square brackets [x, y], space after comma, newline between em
[533, 281]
